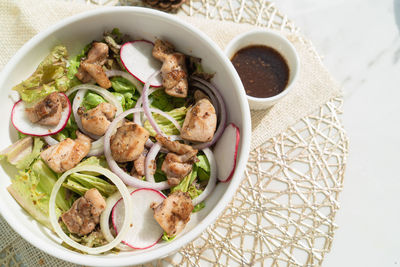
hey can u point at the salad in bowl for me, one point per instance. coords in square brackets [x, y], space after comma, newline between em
[121, 144]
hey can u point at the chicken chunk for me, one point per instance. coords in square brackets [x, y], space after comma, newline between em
[179, 163]
[198, 95]
[85, 213]
[138, 164]
[67, 154]
[177, 167]
[174, 212]
[175, 146]
[173, 70]
[128, 142]
[97, 120]
[91, 68]
[48, 111]
[200, 122]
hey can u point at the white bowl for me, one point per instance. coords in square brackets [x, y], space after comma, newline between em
[77, 31]
[280, 44]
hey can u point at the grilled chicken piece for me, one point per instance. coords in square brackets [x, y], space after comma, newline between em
[48, 111]
[179, 163]
[177, 167]
[175, 146]
[200, 122]
[67, 154]
[174, 212]
[128, 142]
[85, 213]
[138, 164]
[198, 95]
[173, 70]
[91, 68]
[97, 120]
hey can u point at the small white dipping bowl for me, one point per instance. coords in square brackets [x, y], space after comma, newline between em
[140, 23]
[280, 44]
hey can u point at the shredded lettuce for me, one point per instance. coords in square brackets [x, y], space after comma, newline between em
[32, 189]
[166, 125]
[49, 77]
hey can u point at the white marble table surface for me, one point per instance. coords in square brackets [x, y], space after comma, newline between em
[360, 43]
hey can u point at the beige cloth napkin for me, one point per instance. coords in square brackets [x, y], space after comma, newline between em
[22, 19]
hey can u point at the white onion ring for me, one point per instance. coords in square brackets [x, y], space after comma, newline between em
[126, 75]
[126, 178]
[222, 123]
[213, 177]
[105, 217]
[150, 161]
[127, 202]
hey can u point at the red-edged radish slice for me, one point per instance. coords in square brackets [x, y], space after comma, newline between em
[22, 123]
[145, 231]
[138, 60]
[226, 151]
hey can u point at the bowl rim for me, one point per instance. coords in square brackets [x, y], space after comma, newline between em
[283, 39]
[94, 260]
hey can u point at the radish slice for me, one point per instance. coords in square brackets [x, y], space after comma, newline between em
[138, 60]
[145, 231]
[226, 149]
[22, 123]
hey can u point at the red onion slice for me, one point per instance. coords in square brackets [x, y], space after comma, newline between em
[151, 162]
[210, 94]
[136, 116]
[146, 106]
[204, 84]
[213, 177]
[126, 178]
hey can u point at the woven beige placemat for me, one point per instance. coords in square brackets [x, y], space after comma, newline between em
[284, 210]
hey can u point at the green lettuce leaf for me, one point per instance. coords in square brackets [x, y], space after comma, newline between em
[69, 131]
[32, 189]
[203, 171]
[91, 100]
[167, 238]
[159, 99]
[122, 85]
[186, 182]
[73, 66]
[83, 181]
[80, 183]
[198, 207]
[28, 159]
[165, 125]
[49, 77]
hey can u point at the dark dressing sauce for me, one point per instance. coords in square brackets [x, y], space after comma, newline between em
[263, 71]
